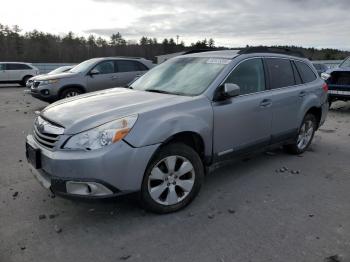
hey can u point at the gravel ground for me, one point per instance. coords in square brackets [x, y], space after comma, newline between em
[246, 211]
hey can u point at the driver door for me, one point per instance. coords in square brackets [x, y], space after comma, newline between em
[103, 78]
[243, 122]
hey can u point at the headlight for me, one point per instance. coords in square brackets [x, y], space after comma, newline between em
[103, 135]
[46, 82]
[325, 76]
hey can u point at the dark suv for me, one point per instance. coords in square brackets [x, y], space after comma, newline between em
[338, 80]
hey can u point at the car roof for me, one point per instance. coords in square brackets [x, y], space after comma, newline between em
[227, 54]
[230, 54]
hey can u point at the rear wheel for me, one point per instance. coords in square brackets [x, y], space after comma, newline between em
[70, 92]
[305, 135]
[172, 179]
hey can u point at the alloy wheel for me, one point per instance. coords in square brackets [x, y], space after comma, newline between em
[305, 134]
[171, 180]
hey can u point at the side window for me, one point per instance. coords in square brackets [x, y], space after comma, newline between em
[2, 67]
[106, 67]
[306, 72]
[280, 72]
[128, 66]
[249, 76]
[17, 67]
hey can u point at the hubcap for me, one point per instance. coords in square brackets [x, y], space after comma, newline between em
[305, 134]
[72, 93]
[171, 180]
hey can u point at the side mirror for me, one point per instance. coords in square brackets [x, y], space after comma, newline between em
[94, 72]
[230, 90]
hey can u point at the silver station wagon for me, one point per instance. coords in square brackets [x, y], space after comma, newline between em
[158, 136]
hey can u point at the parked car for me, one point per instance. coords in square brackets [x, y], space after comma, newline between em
[16, 73]
[321, 68]
[91, 75]
[58, 70]
[338, 80]
[159, 136]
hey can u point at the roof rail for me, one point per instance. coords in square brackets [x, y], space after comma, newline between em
[194, 51]
[274, 50]
[131, 57]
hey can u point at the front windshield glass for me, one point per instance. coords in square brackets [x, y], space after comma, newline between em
[59, 70]
[182, 76]
[83, 67]
[346, 63]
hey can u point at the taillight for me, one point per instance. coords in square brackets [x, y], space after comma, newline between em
[325, 87]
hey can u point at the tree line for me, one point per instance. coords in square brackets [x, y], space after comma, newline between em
[37, 46]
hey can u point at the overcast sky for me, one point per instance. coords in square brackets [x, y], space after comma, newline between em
[318, 23]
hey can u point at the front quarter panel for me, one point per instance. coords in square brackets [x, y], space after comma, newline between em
[157, 126]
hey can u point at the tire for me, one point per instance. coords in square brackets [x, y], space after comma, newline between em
[175, 187]
[330, 103]
[24, 80]
[70, 92]
[305, 135]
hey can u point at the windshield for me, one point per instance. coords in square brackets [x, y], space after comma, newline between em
[60, 70]
[183, 76]
[346, 63]
[83, 67]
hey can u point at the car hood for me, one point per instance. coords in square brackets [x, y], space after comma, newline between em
[56, 76]
[87, 111]
[338, 69]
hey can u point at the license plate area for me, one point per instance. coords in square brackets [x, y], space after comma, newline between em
[33, 156]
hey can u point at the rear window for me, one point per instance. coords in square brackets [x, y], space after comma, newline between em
[17, 67]
[306, 73]
[129, 66]
[280, 72]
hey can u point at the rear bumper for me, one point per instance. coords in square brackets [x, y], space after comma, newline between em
[116, 169]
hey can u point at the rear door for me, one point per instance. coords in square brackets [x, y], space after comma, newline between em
[3, 73]
[287, 94]
[104, 79]
[127, 71]
[243, 122]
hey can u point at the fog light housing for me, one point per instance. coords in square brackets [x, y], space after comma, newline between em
[87, 189]
[45, 92]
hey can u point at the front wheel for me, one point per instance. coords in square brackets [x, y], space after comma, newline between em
[305, 135]
[24, 80]
[70, 92]
[172, 179]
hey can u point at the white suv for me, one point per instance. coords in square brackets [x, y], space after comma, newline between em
[17, 73]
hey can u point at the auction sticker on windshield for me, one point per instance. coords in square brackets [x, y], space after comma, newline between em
[218, 61]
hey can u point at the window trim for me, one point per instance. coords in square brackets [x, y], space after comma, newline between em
[244, 60]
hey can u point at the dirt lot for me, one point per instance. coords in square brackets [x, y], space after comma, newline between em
[246, 211]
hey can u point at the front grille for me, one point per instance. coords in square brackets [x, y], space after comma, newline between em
[46, 134]
[36, 84]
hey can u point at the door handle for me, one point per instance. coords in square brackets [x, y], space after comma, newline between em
[114, 77]
[266, 103]
[302, 94]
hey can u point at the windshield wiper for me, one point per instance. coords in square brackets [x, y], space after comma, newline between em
[159, 91]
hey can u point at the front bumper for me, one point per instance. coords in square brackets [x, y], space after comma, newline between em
[115, 170]
[47, 93]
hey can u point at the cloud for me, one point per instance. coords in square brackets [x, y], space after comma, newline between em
[299, 22]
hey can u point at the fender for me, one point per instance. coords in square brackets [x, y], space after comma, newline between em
[194, 116]
[310, 101]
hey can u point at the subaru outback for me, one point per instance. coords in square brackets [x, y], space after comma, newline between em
[158, 136]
